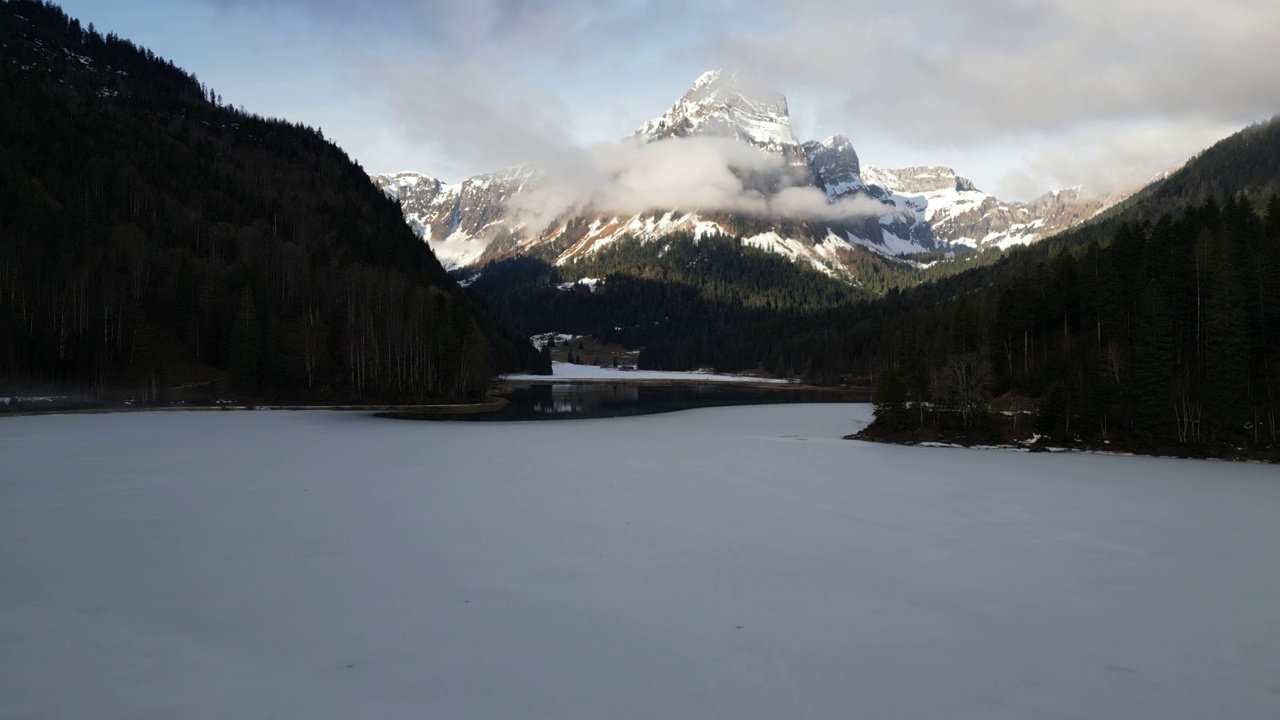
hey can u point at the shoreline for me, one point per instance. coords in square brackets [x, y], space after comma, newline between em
[494, 401]
[574, 373]
[955, 440]
[492, 404]
[757, 384]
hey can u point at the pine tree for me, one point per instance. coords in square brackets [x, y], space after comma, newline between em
[544, 359]
[1156, 410]
[889, 400]
[246, 345]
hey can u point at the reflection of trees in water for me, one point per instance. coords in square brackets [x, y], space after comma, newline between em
[578, 399]
[562, 402]
[604, 400]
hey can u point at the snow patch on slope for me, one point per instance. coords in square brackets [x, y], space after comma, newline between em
[458, 250]
[646, 228]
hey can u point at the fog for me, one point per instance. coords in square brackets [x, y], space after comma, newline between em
[705, 174]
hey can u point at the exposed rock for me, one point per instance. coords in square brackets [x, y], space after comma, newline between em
[895, 211]
[961, 215]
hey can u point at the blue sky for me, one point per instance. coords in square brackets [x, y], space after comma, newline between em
[1022, 96]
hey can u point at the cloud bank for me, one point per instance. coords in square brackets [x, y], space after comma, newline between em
[927, 81]
[704, 174]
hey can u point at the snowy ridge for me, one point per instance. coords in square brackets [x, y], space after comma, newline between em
[604, 232]
[468, 223]
[823, 256]
[723, 103]
[913, 209]
[565, 372]
[459, 221]
[961, 215]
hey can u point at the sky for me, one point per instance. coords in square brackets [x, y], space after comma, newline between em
[1022, 97]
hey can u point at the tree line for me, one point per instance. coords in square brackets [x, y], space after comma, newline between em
[686, 303]
[152, 238]
[1167, 336]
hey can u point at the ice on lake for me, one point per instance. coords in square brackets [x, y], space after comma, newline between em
[716, 563]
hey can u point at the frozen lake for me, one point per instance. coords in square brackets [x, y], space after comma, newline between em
[740, 562]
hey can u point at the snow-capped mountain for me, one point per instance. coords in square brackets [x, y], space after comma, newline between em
[888, 212]
[722, 103]
[962, 215]
[459, 221]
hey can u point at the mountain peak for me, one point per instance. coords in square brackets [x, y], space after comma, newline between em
[835, 166]
[838, 142]
[726, 103]
[729, 84]
[712, 77]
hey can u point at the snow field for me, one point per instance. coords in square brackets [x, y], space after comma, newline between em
[727, 562]
[565, 371]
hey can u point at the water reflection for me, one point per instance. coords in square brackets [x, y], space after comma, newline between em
[544, 401]
[578, 400]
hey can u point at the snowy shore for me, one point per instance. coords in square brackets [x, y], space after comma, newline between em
[591, 373]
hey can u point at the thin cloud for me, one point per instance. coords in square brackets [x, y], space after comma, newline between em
[935, 76]
[964, 71]
[1112, 160]
[471, 119]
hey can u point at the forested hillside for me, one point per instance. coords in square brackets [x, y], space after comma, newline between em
[1156, 325]
[153, 237]
[1166, 337]
[686, 304]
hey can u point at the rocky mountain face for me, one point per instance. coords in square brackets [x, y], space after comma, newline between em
[887, 212]
[963, 216]
[724, 104]
[835, 167]
[458, 221]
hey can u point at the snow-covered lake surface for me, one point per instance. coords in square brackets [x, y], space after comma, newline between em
[566, 371]
[718, 563]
